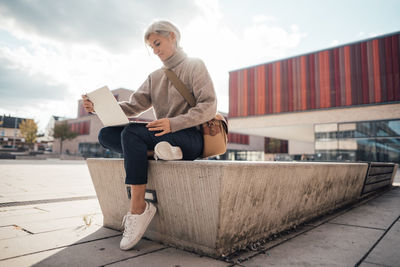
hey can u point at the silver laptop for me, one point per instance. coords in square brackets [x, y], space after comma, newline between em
[107, 108]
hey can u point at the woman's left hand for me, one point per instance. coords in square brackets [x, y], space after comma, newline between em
[162, 125]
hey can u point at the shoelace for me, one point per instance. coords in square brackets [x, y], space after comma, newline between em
[129, 226]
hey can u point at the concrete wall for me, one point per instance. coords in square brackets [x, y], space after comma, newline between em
[217, 207]
[299, 147]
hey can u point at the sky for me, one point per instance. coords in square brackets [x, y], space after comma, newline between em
[53, 51]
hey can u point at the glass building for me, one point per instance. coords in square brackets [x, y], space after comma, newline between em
[358, 141]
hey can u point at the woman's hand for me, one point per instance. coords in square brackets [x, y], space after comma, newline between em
[162, 125]
[87, 104]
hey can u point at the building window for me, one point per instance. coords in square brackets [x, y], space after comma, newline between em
[235, 138]
[241, 155]
[275, 146]
[360, 141]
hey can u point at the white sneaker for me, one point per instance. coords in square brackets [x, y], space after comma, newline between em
[135, 225]
[166, 151]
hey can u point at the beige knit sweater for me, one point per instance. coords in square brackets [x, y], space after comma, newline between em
[158, 92]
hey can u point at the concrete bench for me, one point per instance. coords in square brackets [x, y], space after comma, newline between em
[217, 207]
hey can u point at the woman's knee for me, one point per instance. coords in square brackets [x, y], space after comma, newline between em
[102, 135]
[129, 134]
[106, 136]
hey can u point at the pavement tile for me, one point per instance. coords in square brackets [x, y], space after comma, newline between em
[20, 210]
[53, 211]
[387, 250]
[29, 260]
[328, 244]
[22, 181]
[95, 253]
[395, 191]
[170, 257]
[89, 204]
[35, 243]
[62, 223]
[242, 256]
[376, 213]
[12, 231]
[4, 199]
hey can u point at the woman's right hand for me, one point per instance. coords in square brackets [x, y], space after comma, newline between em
[87, 104]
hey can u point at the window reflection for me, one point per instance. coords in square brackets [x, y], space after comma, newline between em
[360, 141]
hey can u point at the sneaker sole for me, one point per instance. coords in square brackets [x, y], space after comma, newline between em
[167, 148]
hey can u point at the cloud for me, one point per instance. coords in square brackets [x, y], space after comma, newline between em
[223, 48]
[31, 95]
[53, 51]
[263, 18]
[116, 25]
[334, 43]
[20, 87]
[269, 41]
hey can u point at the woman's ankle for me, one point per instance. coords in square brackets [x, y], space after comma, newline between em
[138, 208]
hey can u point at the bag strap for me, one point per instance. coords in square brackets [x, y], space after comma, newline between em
[180, 86]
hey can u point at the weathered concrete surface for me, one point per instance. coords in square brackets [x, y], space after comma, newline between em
[276, 196]
[216, 207]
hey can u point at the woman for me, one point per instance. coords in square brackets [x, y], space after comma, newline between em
[173, 135]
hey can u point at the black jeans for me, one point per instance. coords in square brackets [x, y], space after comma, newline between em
[134, 140]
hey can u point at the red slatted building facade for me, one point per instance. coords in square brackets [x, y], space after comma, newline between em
[357, 74]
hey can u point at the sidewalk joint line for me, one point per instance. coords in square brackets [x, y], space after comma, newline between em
[360, 226]
[377, 242]
[45, 201]
[378, 264]
[23, 229]
[136, 256]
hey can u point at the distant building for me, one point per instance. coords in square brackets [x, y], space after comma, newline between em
[338, 104]
[243, 146]
[10, 135]
[48, 131]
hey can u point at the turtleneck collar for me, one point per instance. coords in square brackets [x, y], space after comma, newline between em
[175, 59]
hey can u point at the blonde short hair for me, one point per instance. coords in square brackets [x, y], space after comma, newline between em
[163, 28]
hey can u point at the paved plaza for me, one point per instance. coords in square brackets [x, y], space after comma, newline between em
[50, 216]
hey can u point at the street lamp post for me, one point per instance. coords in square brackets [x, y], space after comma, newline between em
[15, 132]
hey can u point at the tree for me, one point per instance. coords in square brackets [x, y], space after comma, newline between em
[63, 132]
[28, 129]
